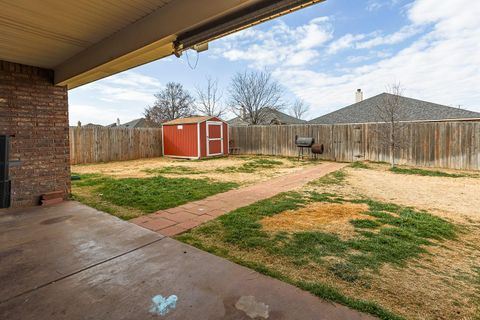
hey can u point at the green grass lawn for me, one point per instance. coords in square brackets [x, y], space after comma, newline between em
[334, 178]
[392, 235]
[414, 171]
[428, 173]
[359, 165]
[252, 165]
[174, 170]
[132, 197]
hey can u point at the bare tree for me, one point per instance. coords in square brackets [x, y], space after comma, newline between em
[208, 99]
[299, 109]
[172, 103]
[253, 95]
[390, 112]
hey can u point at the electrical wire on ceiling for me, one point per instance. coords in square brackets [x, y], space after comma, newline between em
[196, 61]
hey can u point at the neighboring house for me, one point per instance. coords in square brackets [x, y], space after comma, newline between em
[137, 123]
[366, 111]
[272, 117]
[92, 125]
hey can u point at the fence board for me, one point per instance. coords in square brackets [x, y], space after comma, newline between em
[454, 144]
[431, 144]
[99, 144]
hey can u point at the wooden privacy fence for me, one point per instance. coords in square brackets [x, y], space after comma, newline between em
[453, 145]
[100, 144]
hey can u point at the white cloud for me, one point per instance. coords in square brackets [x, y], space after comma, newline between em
[280, 44]
[442, 66]
[302, 58]
[368, 57]
[133, 79]
[448, 16]
[394, 38]
[374, 39]
[375, 5]
[345, 42]
[101, 115]
[314, 34]
[125, 86]
[124, 95]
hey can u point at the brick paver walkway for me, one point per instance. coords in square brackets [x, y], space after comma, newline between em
[173, 221]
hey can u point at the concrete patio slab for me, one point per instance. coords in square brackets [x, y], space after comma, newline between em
[74, 262]
[42, 244]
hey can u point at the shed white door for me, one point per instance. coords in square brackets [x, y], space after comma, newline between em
[214, 138]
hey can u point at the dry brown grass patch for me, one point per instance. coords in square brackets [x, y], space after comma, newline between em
[332, 217]
[438, 285]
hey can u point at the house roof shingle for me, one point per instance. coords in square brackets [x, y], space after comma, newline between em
[272, 117]
[137, 123]
[411, 110]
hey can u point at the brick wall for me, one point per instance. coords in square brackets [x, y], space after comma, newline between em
[36, 112]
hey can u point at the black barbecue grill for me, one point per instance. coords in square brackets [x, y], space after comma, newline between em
[302, 143]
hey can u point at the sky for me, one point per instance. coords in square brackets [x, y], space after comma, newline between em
[320, 55]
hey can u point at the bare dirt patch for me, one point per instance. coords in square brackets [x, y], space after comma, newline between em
[331, 217]
[215, 169]
[454, 198]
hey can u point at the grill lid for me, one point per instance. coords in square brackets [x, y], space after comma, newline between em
[304, 141]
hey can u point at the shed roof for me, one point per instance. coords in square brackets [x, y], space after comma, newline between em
[189, 120]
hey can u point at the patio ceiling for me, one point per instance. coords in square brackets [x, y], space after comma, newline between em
[85, 40]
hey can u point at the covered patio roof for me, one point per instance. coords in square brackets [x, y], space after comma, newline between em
[86, 40]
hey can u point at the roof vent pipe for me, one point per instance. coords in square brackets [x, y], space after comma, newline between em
[358, 96]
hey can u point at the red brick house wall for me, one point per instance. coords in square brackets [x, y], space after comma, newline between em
[36, 112]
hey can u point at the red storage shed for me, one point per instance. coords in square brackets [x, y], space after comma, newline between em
[195, 137]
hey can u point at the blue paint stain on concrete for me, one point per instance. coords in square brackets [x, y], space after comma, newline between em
[161, 306]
